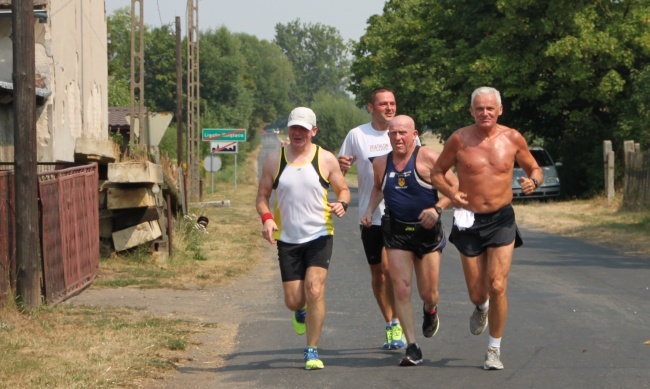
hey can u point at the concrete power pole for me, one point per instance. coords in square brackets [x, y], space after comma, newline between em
[193, 99]
[25, 177]
[179, 94]
[137, 75]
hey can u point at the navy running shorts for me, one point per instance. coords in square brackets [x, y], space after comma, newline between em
[296, 258]
[493, 229]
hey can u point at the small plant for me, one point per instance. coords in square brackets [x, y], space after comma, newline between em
[176, 344]
[191, 234]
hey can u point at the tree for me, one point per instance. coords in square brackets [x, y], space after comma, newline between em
[270, 76]
[319, 58]
[160, 69]
[336, 114]
[565, 68]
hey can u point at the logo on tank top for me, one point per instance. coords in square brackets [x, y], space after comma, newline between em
[401, 181]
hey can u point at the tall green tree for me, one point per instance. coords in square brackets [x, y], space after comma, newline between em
[319, 57]
[564, 67]
[336, 114]
[270, 76]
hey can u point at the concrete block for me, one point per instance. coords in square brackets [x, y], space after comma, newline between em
[136, 235]
[123, 198]
[96, 150]
[135, 172]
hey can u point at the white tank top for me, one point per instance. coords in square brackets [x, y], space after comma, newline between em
[301, 210]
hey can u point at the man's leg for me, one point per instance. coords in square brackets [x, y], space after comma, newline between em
[475, 270]
[382, 289]
[314, 291]
[426, 272]
[294, 296]
[401, 273]
[498, 268]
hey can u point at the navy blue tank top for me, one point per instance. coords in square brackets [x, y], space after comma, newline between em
[406, 194]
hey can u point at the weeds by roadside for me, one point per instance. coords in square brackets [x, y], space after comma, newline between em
[96, 347]
[83, 347]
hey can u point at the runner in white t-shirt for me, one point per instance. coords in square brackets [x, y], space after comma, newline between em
[362, 145]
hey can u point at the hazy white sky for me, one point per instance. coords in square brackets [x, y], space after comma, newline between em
[259, 17]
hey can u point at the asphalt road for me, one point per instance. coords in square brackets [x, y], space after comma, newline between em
[579, 316]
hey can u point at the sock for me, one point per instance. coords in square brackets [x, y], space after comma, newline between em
[435, 308]
[388, 324]
[495, 342]
[394, 322]
[484, 306]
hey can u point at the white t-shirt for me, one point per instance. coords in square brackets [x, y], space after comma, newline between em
[364, 143]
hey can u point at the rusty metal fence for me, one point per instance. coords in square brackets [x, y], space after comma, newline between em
[69, 230]
[7, 236]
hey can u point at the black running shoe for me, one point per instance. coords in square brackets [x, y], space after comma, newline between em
[413, 356]
[430, 323]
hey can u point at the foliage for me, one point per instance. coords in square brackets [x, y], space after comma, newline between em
[270, 76]
[119, 94]
[566, 69]
[160, 69]
[319, 58]
[336, 114]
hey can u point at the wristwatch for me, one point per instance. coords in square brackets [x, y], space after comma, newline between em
[535, 182]
[438, 209]
[345, 205]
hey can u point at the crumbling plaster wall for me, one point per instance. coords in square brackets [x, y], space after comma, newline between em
[71, 62]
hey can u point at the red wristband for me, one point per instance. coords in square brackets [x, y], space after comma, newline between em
[266, 217]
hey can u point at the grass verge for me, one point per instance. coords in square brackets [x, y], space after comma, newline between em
[595, 220]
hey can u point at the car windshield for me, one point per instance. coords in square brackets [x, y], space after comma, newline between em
[541, 156]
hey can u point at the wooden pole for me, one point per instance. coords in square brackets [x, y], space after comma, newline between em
[179, 94]
[609, 184]
[26, 177]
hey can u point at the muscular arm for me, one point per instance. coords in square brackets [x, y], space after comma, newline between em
[377, 195]
[264, 194]
[443, 178]
[429, 216]
[337, 181]
[527, 162]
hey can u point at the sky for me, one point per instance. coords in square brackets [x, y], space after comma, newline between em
[259, 17]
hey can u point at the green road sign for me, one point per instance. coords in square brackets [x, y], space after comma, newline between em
[233, 134]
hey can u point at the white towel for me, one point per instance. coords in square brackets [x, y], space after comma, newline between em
[463, 218]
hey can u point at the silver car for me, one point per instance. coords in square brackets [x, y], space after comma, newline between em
[550, 188]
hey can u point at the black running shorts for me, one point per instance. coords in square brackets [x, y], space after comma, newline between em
[412, 236]
[494, 229]
[373, 243]
[296, 258]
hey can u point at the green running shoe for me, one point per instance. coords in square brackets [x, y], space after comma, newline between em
[298, 319]
[311, 359]
[399, 340]
[389, 338]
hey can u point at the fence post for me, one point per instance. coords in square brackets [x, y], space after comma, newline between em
[607, 148]
[610, 176]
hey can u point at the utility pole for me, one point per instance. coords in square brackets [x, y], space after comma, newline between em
[137, 75]
[193, 98]
[25, 177]
[179, 94]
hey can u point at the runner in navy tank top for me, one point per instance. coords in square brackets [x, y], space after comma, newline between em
[411, 227]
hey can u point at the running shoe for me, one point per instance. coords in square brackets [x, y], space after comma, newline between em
[389, 338]
[399, 340]
[311, 359]
[298, 319]
[430, 323]
[413, 356]
[478, 321]
[493, 359]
